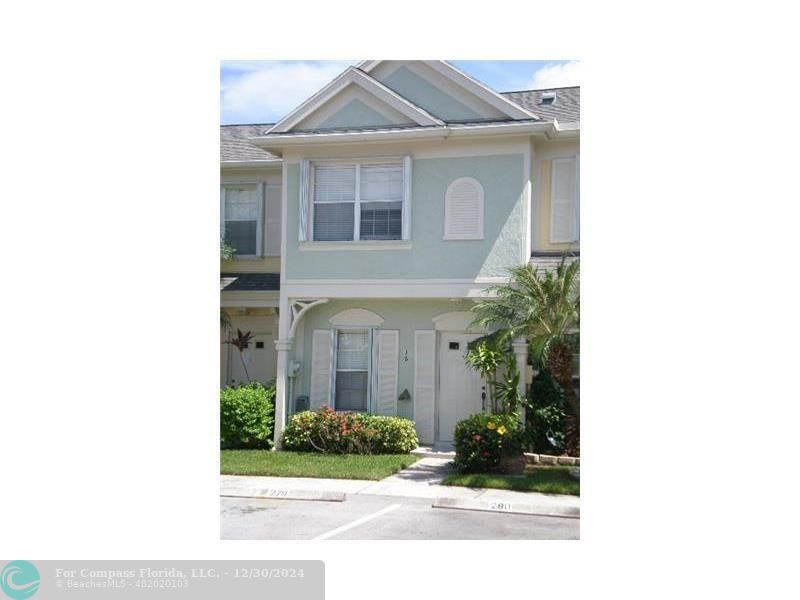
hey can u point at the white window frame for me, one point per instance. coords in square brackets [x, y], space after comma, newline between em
[577, 200]
[261, 200]
[309, 243]
[335, 357]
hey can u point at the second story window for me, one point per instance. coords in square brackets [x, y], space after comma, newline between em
[358, 201]
[242, 207]
[251, 218]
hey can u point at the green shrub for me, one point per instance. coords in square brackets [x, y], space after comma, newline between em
[326, 430]
[247, 415]
[483, 439]
[545, 418]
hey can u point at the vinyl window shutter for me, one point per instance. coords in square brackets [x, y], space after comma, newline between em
[386, 371]
[273, 227]
[424, 384]
[305, 199]
[261, 198]
[321, 359]
[564, 201]
[406, 198]
[463, 210]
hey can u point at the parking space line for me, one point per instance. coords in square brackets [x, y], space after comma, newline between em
[357, 522]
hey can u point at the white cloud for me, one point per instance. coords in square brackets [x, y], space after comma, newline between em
[557, 75]
[264, 91]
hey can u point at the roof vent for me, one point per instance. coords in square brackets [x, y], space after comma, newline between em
[548, 98]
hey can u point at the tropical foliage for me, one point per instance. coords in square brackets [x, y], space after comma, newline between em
[242, 342]
[246, 416]
[542, 306]
[545, 416]
[493, 358]
[483, 440]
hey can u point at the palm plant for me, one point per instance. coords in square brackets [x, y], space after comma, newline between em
[242, 342]
[492, 357]
[544, 307]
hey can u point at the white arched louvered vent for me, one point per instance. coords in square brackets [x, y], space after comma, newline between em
[463, 210]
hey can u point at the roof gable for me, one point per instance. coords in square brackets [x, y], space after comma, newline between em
[354, 100]
[444, 91]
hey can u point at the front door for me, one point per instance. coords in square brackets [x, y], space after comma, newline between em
[460, 387]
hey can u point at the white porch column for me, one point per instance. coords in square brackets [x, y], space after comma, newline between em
[282, 346]
[520, 346]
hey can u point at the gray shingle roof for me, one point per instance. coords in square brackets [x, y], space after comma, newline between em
[234, 144]
[250, 282]
[566, 108]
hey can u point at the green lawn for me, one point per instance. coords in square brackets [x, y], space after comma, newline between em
[548, 480]
[311, 464]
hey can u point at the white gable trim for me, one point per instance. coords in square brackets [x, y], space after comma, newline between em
[467, 83]
[367, 83]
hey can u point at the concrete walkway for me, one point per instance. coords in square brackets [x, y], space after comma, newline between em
[420, 480]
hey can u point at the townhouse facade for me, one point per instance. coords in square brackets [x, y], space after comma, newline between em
[369, 220]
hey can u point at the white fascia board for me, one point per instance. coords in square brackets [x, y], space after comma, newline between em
[527, 128]
[275, 142]
[255, 164]
[457, 76]
[368, 65]
[368, 84]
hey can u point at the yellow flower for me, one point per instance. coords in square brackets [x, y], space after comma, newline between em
[491, 425]
[501, 430]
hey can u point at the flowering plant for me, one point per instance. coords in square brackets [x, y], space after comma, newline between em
[483, 439]
[326, 430]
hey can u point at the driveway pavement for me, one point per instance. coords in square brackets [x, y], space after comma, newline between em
[411, 504]
[370, 517]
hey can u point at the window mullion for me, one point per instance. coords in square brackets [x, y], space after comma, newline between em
[357, 208]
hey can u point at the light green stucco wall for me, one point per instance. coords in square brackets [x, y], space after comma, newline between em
[406, 316]
[503, 180]
[355, 114]
[410, 85]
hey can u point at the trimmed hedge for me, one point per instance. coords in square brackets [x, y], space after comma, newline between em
[326, 430]
[247, 416]
[483, 439]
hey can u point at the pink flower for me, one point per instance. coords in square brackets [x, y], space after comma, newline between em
[476, 437]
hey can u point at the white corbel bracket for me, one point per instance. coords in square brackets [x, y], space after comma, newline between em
[299, 308]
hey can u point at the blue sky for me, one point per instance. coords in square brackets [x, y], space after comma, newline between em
[262, 91]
